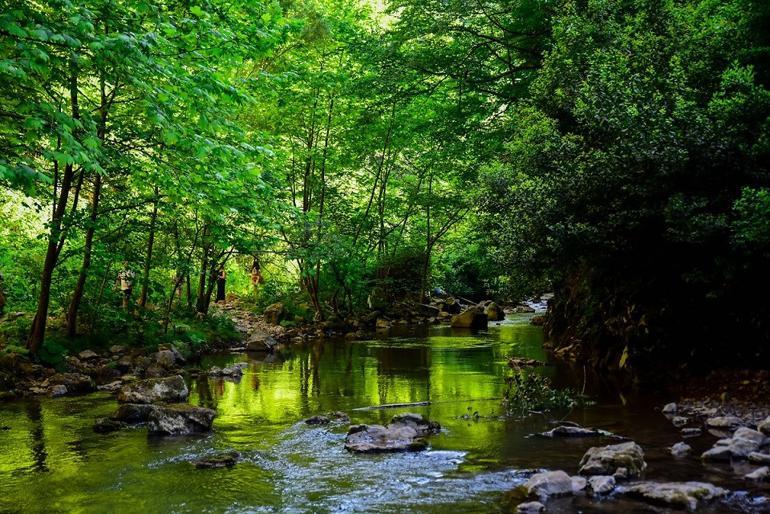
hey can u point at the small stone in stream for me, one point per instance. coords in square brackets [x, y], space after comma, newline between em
[234, 371]
[107, 425]
[692, 432]
[578, 484]
[759, 458]
[57, 390]
[687, 495]
[336, 417]
[406, 432]
[669, 408]
[717, 453]
[605, 460]
[530, 508]
[87, 354]
[679, 421]
[723, 442]
[573, 431]
[549, 483]
[170, 389]
[728, 423]
[620, 474]
[748, 434]
[764, 427]
[219, 460]
[680, 449]
[759, 475]
[601, 484]
[180, 419]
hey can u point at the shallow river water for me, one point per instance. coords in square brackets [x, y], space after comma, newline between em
[52, 461]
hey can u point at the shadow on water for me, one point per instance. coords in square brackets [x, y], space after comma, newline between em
[51, 454]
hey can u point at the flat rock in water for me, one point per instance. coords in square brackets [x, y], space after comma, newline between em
[692, 432]
[169, 389]
[687, 495]
[331, 417]
[575, 431]
[406, 432]
[530, 508]
[218, 460]
[233, 371]
[180, 419]
[728, 423]
[759, 475]
[549, 483]
[606, 460]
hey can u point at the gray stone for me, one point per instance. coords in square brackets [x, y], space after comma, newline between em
[572, 431]
[180, 419]
[165, 359]
[759, 475]
[759, 458]
[133, 413]
[679, 421]
[669, 408]
[76, 383]
[260, 342]
[748, 434]
[728, 423]
[691, 432]
[687, 495]
[549, 483]
[112, 386]
[233, 371]
[530, 508]
[605, 460]
[717, 453]
[406, 432]
[57, 390]
[578, 484]
[87, 354]
[274, 313]
[218, 460]
[601, 484]
[680, 449]
[169, 389]
[764, 427]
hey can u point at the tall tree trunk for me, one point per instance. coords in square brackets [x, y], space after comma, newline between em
[37, 332]
[428, 244]
[148, 257]
[201, 305]
[77, 294]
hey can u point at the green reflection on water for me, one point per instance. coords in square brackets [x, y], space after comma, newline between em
[52, 460]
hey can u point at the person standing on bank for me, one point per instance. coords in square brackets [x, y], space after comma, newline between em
[126, 279]
[221, 277]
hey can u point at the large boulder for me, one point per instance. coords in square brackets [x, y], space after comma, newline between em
[549, 483]
[260, 342]
[165, 359]
[169, 389]
[494, 312]
[473, 317]
[687, 495]
[406, 432]
[180, 419]
[133, 413]
[606, 460]
[275, 313]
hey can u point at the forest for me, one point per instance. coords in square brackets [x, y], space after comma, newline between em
[186, 179]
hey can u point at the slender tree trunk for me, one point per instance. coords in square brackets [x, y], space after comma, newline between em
[428, 244]
[77, 294]
[148, 258]
[200, 304]
[37, 332]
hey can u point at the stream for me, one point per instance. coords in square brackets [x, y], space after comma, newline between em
[51, 460]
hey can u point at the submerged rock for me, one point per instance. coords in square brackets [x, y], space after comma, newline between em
[169, 389]
[687, 495]
[180, 419]
[549, 483]
[575, 431]
[605, 460]
[331, 417]
[218, 460]
[405, 433]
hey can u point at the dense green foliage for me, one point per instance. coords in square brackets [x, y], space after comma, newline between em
[615, 151]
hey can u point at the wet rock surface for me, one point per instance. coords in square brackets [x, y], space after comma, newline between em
[608, 460]
[330, 417]
[170, 389]
[549, 483]
[217, 460]
[180, 419]
[682, 495]
[406, 432]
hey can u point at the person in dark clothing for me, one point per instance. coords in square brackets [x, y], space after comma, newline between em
[221, 277]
